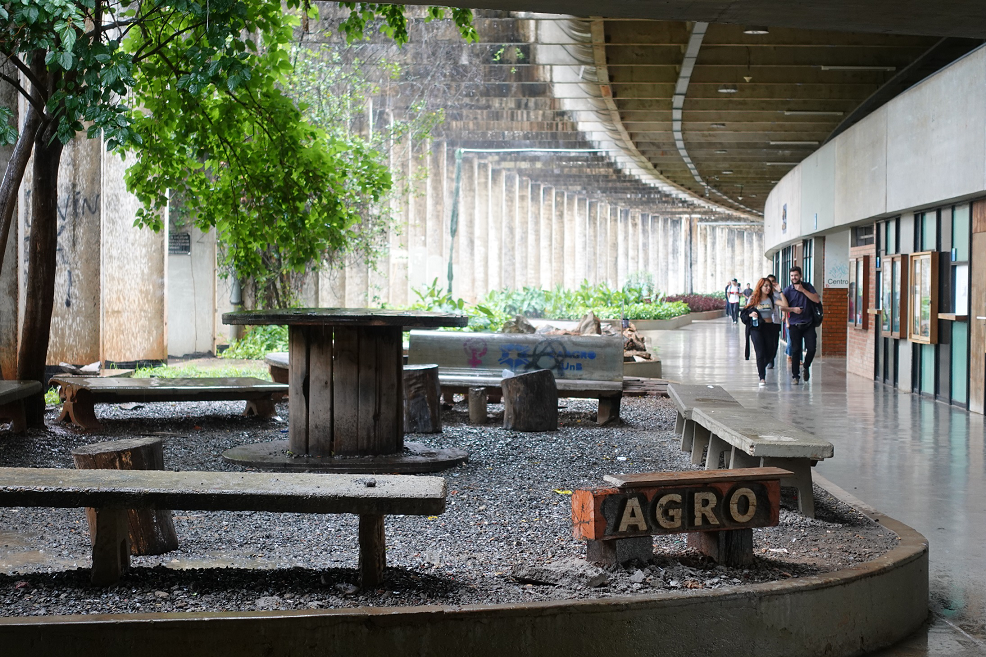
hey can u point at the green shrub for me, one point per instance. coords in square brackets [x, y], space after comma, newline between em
[257, 342]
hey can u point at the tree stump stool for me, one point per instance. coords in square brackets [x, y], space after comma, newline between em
[530, 402]
[422, 399]
[477, 406]
[152, 531]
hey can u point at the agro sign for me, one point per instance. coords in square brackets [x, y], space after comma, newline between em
[611, 513]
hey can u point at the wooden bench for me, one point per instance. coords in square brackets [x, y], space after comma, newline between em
[112, 492]
[584, 366]
[748, 438]
[80, 394]
[686, 398]
[12, 394]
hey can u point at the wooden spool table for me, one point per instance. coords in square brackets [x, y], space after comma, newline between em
[346, 391]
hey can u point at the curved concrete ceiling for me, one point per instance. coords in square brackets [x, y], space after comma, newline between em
[958, 18]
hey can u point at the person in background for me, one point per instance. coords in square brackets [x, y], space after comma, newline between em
[747, 292]
[801, 324]
[732, 300]
[758, 315]
[778, 319]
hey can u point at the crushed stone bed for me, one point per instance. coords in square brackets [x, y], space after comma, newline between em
[506, 536]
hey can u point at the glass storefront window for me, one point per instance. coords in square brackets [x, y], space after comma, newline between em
[923, 297]
[886, 297]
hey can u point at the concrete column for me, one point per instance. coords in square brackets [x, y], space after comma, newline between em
[508, 243]
[646, 264]
[569, 233]
[481, 249]
[579, 231]
[417, 232]
[592, 242]
[622, 221]
[546, 226]
[435, 229]
[534, 232]
[498, 200]
[522, 235]
[632, 243]
[613, 250]
[463, 258]
[558, 240]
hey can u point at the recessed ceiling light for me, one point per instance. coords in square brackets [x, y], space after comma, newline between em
[728, 172]
[753, 195]
[728, 89]
[812, 113]
[756, 29]
[858, 68]
[780, 164]
[718, 125]
[721, 152]
[793, 143]
[774, 182]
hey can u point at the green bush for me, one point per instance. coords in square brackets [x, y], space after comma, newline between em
[257, 342]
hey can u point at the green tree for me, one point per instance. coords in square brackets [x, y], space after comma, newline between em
[196, 70]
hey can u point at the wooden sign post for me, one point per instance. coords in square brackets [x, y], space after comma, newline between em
[717, 508]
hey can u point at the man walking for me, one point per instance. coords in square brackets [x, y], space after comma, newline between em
[801, 324]
[732, 300]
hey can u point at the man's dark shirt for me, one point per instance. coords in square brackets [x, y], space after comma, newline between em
[795, 298]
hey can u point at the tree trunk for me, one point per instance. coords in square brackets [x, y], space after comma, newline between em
[14, 175]
[530, 402]
[422, 399]
[152, 531]
[33, 354]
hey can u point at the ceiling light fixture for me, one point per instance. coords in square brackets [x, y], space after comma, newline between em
[756, 29]
[728, 89]
[793, 143]
[858, 68]
[718, 125]
[728, 172]
[780, 164]
[721, 152]
[812, 113]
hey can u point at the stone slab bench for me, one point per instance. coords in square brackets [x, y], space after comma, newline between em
[12, 394]
[112, 492]
[277, 364]
[583, 366]
[686, 398]
[748, 438]
[80, 394]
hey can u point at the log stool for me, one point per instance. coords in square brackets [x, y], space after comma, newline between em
[477, 406]
[530, 402]
[152, 531]
[422, 399]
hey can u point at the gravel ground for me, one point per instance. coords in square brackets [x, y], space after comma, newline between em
[505, 537]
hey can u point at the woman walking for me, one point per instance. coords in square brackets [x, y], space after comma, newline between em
[759, 315]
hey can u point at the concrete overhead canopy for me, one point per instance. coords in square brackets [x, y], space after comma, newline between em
[956, 18]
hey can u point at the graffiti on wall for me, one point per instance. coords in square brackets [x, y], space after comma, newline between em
[545, 355]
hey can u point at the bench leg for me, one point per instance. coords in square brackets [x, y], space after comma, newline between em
[801, 468]
[14, 411]
[700, 440]
[687, 435]
[110, 546]
[609, 409]
[372, 550]
[679, 424]
[717, 447]
[740, 459]
[262, 408]
[79, 409]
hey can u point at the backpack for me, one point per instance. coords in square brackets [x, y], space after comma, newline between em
[817, 314]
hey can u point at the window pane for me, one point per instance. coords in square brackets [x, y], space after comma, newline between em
[929, 231]
[886, 301]
[892, 236]
[860, 286]
[895, 301]
[852, 292]
[928, 368]
[960, 361]
[960, 232]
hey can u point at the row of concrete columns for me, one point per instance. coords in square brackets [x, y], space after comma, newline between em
[514, 231]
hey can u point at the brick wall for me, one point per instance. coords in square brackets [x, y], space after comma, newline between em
[836, 302]
[860, 345]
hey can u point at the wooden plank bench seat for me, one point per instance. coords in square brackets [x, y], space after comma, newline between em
[80, 394]
[686, 398]
[12, 394]
[749, 438]
[112, 492]
[584, 366]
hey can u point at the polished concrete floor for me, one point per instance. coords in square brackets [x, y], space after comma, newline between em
[912, 458]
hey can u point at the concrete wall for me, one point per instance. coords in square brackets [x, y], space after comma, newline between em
[192, 297]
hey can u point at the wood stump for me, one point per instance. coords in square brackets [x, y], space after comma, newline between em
[732, 548]
[152, 531]
[477, 406]
[530, 402]
[422, 399]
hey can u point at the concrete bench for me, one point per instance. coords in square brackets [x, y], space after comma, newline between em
[277, 364]
[583, 366]
[12, 394]
[686, 398]
[80, 394]
[748, 438]
[112, 492]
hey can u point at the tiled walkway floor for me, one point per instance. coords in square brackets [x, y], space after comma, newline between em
[914, 459]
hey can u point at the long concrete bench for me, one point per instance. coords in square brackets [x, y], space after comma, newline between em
[747, 438]
[80, 394]
[12, 395]
[686, 398]
[584, 366]
[112, 492]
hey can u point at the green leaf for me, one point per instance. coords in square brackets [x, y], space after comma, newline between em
[65, 60]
